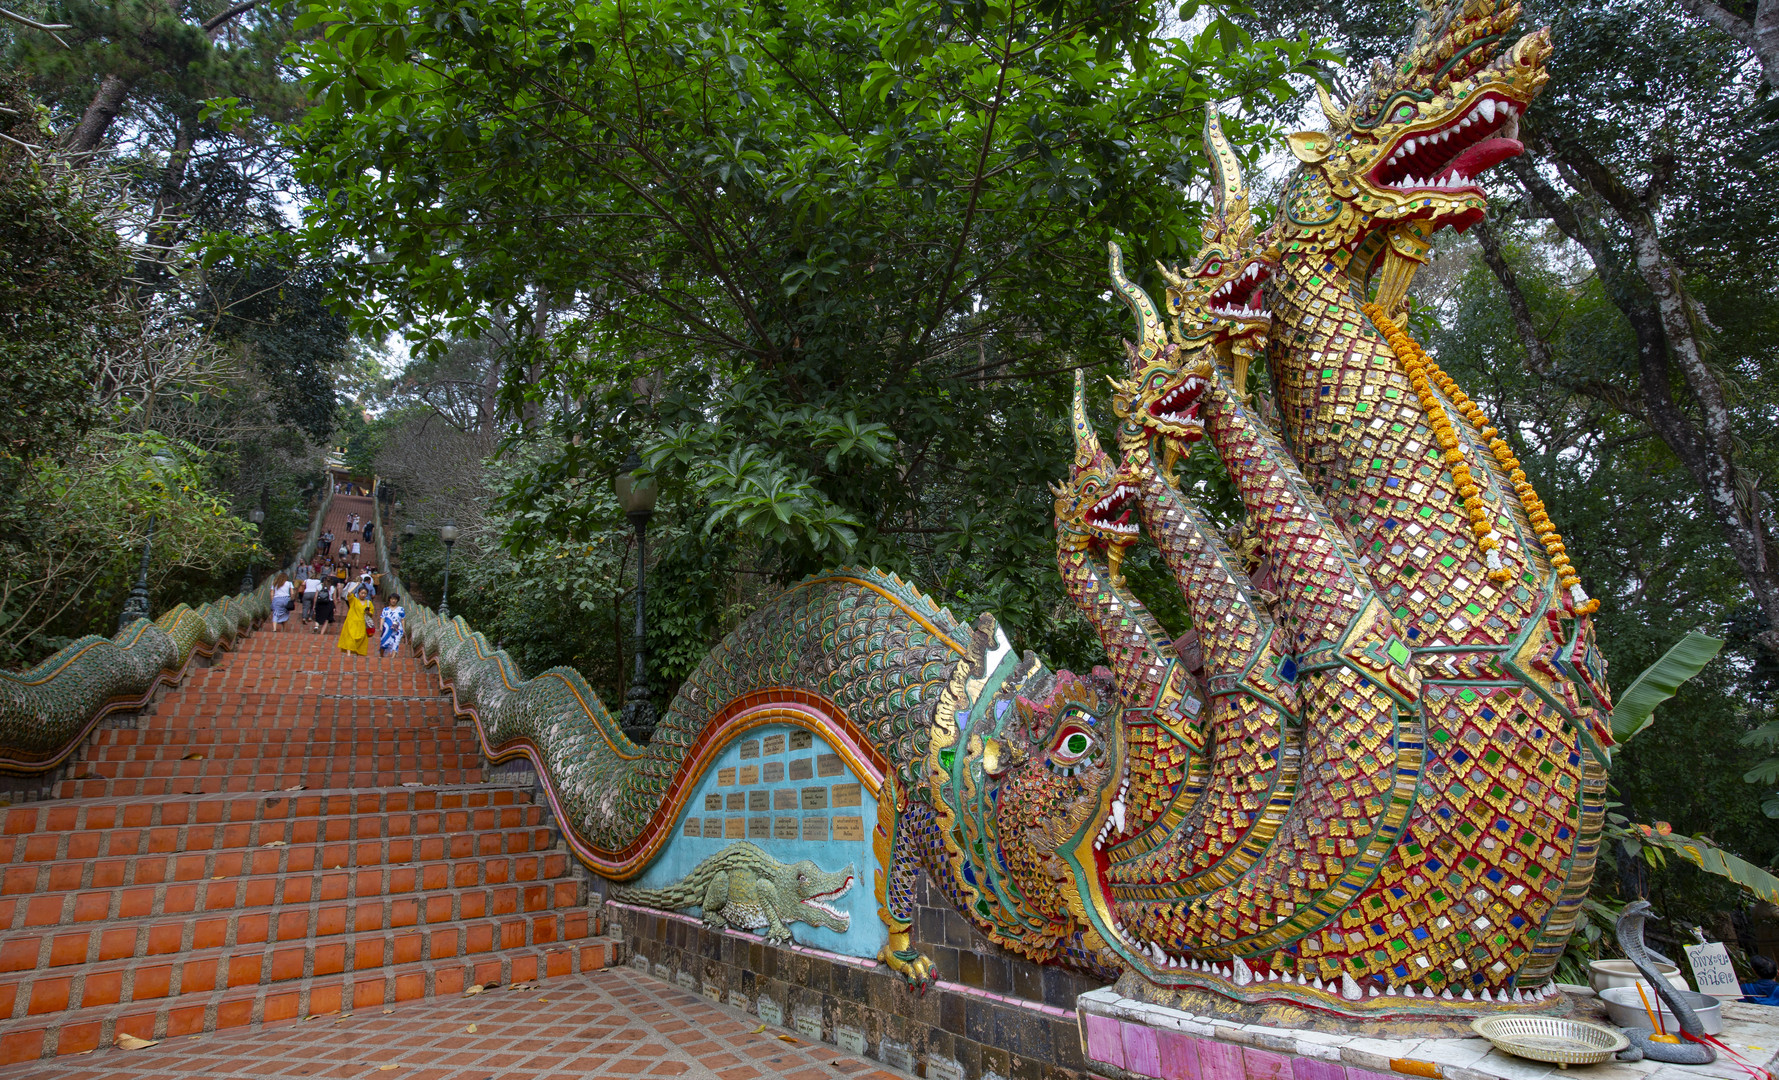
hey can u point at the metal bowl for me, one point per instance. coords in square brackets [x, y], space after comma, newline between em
[1626, 1009]
[1606, 974]
[1552, 1039]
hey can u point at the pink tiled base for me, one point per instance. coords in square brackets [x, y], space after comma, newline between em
[1129, 1040]
[1143, 1051]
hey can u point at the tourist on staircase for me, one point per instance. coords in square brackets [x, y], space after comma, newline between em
[282, 599]
[355, 633]
[311, 592]
[394, 623]
[324, 604]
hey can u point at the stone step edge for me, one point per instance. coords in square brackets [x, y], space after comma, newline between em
[334, 748]
[277, 906]
[142, 787]
[21, 983]
[276, 833]
[352, 867]
[490, 786]
[73, 1032]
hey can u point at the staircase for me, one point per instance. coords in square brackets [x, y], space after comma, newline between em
[296, 831]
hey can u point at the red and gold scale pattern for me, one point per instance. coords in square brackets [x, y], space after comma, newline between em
[1159, 752]
[1498, 819]
[1350, 801]
[1216, 833]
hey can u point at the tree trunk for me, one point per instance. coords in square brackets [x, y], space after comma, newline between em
[100, 112]
[1537, 352]
[1654, 302]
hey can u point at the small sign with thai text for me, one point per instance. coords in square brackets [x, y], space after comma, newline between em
[1712, 970]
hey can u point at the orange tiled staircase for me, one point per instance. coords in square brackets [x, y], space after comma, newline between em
[181, 882]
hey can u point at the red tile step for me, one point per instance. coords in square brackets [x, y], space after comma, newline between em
[322, 755]
[455, 809]
[85, 786]
[96, 968]
[70, 892]
[82, 1029]
[417, 746]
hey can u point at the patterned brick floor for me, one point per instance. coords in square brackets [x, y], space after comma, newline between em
[618, 1022]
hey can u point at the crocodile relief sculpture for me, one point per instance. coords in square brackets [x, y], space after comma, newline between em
[744, 887]
[1368, 781]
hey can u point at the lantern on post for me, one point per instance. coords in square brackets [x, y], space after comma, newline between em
[637, 497]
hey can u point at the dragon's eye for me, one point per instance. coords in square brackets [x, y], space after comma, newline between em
[1213, 267]
[1405, 114]
[1072, 746]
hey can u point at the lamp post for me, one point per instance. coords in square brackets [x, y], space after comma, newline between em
[136, 604]
[449, 535]
[637, 497]
[258, 517]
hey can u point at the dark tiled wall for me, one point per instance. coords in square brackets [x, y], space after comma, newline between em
[941, 1035]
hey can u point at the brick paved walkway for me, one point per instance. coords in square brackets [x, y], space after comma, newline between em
[617, 1022]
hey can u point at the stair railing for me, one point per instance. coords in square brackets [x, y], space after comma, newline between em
[47, 711]
[554, 720]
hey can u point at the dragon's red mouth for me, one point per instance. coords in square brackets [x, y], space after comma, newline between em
[1112, 513]
[1180, 405]
[1450, 157]
[1241, 297]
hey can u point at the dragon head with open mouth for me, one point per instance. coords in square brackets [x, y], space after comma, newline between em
[1402, 161]
[1097, 507]
[1219, 310]
[1219, 302]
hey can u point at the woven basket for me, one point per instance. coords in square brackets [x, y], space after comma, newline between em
[1547, 1038]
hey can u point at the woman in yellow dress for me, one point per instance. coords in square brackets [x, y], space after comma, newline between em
[354, 635]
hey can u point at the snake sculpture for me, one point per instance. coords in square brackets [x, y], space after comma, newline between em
[1688, 1051]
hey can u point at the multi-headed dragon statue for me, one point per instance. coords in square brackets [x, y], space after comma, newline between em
[1368, 783]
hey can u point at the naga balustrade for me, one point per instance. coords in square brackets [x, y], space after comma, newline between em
[47, 711]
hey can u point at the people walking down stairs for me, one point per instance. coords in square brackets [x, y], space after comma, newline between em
[299, 830]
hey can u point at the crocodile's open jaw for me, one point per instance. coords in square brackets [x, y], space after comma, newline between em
[820, 902]
[1450, 156]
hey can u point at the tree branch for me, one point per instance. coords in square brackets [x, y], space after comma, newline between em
[48, 28]
[1537, 352]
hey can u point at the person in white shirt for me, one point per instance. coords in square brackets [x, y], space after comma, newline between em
[311, 590]
[355, 553]
[281, 602]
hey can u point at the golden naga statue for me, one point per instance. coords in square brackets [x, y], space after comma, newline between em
[1393, 801]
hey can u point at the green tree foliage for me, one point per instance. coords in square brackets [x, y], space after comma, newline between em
[848, 254]
[121, 166]
[88, 517]
[62, 267]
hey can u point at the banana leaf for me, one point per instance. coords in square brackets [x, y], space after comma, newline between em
[1715, 860]
[1659, 681]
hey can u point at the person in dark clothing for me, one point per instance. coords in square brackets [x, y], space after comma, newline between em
[1765, 988]
[324, 607]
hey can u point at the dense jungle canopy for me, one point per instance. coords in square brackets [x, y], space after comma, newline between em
[828, 267]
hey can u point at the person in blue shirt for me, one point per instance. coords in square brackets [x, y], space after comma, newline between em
[1764, 990]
